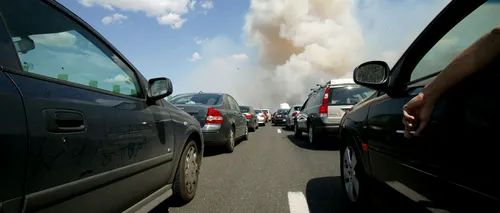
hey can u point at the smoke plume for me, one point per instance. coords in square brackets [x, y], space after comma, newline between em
[302, 43]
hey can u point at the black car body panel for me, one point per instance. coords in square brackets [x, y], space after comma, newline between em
[89, 146]
[439, 165]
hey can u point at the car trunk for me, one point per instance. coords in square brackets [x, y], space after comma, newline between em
[198, 111]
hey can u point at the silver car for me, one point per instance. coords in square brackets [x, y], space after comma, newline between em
[291, 115]
[261, 117]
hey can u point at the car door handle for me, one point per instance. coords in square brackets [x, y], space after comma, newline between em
[64, 121]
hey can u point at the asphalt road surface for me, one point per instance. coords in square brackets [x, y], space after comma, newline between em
[271, 172]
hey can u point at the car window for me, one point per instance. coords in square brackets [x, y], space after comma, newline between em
[244, 109]
[482, 20]
[348, 95]
[296, 108]
[205, 99]
[281, 111]
[233, 104]
[65, 50]
[257, 111]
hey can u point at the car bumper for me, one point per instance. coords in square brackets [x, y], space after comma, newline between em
[280, 120]
[329, 129]
[214, 135]
[261, 120]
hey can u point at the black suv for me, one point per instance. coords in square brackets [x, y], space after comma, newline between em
[82, 130]
[451, 165]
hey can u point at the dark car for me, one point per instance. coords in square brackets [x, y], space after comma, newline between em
[251, 116]
[451, 165]
[82, 130]
[219, 115]
[280, 117]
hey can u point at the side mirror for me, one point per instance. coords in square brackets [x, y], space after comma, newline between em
[372, 74]
[159, 88]
[24, 45]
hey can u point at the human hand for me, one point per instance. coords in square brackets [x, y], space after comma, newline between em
[417, 109]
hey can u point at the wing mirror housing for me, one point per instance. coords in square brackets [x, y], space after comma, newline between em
[373, 75]
[159, 88]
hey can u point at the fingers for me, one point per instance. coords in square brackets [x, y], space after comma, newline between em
[421, 127]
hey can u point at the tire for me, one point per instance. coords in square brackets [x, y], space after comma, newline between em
[358, 200]
[252, 129]
[182, 193]
[256, 125]
[312, 137]
[296, 132]
[230, 140]
[246, 136]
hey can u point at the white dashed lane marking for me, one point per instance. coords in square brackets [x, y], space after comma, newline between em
[279, 130]
[297, 202]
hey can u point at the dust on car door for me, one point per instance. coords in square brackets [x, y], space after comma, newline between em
[88, 120]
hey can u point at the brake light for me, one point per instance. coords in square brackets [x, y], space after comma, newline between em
[294, 114]
[214, 116]
[262, 115]
[248, 115]
[323, 109]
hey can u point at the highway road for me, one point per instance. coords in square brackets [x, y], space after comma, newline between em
[271, 172]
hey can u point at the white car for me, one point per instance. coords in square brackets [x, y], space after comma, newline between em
[261, 117]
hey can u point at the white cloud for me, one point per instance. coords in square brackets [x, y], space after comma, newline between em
[240, 56]
[195, 57]
[166, 11]
[115, 18]
[174, 20]
[119, 79]
[198, 40]
[447, 42]
[207, 5]
[191, 5]
[63, 39]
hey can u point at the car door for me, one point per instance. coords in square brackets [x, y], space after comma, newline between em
[437, 169]
[91, 130]
[240, 121]
[13, 131]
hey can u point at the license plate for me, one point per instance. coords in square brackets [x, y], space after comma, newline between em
[284, 119]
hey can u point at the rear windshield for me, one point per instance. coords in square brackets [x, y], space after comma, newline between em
[281, 111]
[244, 109]
[348, 95]
[265, 111]
[205, 99]
[257, 111]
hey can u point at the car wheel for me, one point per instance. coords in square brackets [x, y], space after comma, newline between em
[355, 182]
[245, 137]
[311, 133]
[296, 131]
[230, 140]
[252, 128]
[256, 125]
[186, 177]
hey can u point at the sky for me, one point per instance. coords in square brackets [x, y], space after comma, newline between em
[262, 52]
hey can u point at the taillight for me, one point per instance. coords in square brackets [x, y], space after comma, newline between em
[214, 116]
[262, 115]
[323, 109]
[294, 114]
[248, 115]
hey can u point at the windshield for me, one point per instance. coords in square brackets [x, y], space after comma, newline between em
[205, 99]
[281, 111]
[257, 111]
[244, 109]
[348, 95]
